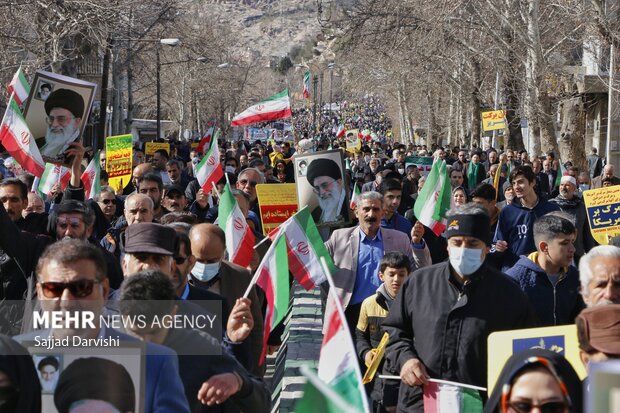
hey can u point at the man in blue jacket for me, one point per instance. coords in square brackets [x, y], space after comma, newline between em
[514, 236]
[547, 276]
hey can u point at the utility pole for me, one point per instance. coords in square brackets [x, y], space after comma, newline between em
[315, 81]
[331, 79]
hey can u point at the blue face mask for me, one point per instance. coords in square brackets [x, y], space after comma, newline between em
[465, 261]
[584, 187]
[205, 272]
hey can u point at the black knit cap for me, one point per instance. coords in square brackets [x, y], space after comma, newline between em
[323, 167]
[66, 99]
[470, 225]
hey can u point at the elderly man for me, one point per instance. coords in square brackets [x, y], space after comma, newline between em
[64, 109]
[443, 314]
[598, 332]
[177, 174]
[570, 203]
[174, 198]
[357, 252]
[72, 270]
[246, 182]
[608, 172]
[599, 272]
[325, 177]
[149, 246]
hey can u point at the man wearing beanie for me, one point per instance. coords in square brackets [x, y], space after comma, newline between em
[440, 320]
[64, 109]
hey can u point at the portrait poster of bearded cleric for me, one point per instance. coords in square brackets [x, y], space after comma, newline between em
[323, 187]
[60, 118]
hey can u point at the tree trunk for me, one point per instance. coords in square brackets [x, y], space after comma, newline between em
[475, 104]
[432, 121]
[572, 133]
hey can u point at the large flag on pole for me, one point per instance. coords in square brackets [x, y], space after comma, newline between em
[307, 84]
[18, 141]
[305, 246]
[52, 175]
[272, 276]
[19, 87]
[338, 365]
[434, 200]
[354, 195]
[239, 236]
[276, 107]
[90, 178]
[209, 170]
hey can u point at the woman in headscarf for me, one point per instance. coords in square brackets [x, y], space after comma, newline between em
[20, 391]
[475, 171]
[536, 378]
[459, 196]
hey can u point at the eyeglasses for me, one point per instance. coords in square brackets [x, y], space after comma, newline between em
[549, 407]
[60, 119]
[63, 223]
[79, 288]
[180, 260]
[323, 186]
[244, 182]
[109, 201]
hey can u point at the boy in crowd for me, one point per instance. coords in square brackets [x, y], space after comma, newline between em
[393, 272]
[547, 276]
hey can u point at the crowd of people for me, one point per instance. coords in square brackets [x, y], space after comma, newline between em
[511, 256]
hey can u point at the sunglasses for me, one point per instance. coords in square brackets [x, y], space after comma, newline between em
[109, 201]
[244, 182]
[63, 223]
[549, 407]
[78, 289]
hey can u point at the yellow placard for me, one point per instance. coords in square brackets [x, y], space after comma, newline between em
[493, 120]
[119, 153]
[376, 360]
[561, 339]
[278, 202]
[151, 147]
[603, 209]
[353, 141]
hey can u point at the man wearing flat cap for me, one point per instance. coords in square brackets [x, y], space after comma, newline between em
[598, 332]
[149, 246]
[325, 177]
[442, 316]
[64, 109]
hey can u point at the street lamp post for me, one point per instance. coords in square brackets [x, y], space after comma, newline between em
[315, 80]
[168, 42]
[331, 79]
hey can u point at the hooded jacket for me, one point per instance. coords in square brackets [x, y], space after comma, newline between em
[554, 305]
[516, 226]
[563, 371]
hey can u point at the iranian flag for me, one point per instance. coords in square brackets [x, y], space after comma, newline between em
[338, 365]
[307, 84]
[341, 131]
[305, 246]
[272, 276]
[356, 193]
[239, 236]
[205, 141]
[209, 170]
[448, 397]
[276, 107]
[90, 178]
[319, 397]
[52, 175]
[19, 87]
[18, 141]
[434, 200]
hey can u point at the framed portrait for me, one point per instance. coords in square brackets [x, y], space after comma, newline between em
[77, 382]
[49, 367]
[321, 185]
[57, 112]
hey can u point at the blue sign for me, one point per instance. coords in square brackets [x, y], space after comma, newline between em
[551, 343]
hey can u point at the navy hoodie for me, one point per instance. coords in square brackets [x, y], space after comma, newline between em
[516, 226]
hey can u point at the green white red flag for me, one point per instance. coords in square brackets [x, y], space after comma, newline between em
[205, 141]
[319, 397]
[91, 178]
[305, 246]
[338, 365]
[451, 398]
[239, 236]
[356, 193]
[16, 138]
[272, 276]
[434, 200]
[19, 87]
[307, 84]
[52, 175]
[209, 171]
[276, 107]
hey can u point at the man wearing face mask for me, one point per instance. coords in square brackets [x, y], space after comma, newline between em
[443, 315]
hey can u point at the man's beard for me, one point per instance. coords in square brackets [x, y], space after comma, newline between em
[331, 204]
[57, 142]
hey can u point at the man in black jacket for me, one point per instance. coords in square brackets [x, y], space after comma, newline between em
[443, 315]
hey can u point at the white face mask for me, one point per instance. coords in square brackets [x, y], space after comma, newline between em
[465, 261]
[401, 171]
[205, 272]
[230, 169]
[584, 187]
